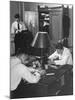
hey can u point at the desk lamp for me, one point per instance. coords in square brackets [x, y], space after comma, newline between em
[41, 42]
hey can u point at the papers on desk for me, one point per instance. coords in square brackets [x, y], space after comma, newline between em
[50, 74]
[38, 57]
[54, 66]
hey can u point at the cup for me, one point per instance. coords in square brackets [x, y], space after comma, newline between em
[46, 66]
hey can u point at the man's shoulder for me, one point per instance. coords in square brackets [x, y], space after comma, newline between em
[67, 50]
[21, 68]
[14, 22]
[14, 60]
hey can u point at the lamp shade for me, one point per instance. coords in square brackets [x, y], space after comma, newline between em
[41, 40]
[41, 43]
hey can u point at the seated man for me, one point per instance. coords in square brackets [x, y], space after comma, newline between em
[61, 56]
[19, 71]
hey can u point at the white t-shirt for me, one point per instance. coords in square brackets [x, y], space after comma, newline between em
[64, 58]
[19, 71]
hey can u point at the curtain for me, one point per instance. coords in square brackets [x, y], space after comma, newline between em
[31, 21]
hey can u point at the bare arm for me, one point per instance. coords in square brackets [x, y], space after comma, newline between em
[27, 75]
[53, 56]
[62, 61]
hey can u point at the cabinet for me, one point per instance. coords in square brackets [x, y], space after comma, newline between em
[44, 19]
[50, 20]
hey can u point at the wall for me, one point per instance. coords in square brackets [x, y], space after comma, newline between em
[70, 40]
[31, 16]
[14, 8]
[21, 7]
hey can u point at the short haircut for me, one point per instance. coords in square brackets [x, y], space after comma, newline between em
[17, 16]
[59, 46]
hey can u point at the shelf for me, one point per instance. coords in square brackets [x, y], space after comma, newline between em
[43, 18]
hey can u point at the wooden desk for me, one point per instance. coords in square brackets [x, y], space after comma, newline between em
[50, 85]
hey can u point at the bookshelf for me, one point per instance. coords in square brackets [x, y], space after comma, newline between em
[43, 14]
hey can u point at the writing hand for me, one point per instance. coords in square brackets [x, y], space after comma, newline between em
[50, 62]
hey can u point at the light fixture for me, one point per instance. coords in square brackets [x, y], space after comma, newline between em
[42, 43]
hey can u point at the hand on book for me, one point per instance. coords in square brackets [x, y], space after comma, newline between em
[51, 62]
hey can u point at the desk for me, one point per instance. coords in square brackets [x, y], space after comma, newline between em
[50, 85]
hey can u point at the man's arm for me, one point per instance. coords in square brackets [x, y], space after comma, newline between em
[53, 56]
[62, 61]
[12, 29]
[27, 75]
[12, 33]
[31, 69]
[23, 26]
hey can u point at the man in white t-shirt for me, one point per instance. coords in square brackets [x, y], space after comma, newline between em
[61, 56]
[19, 71]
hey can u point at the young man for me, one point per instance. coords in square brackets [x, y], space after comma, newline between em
[61, 56]
[18, 72]
[17, 29]
[17, 25]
